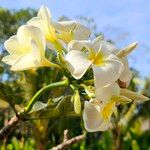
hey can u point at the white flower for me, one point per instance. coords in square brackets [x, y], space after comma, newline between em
[97, 114]
[82, 55]
[126, 75]
[26, 49]
[56, 32]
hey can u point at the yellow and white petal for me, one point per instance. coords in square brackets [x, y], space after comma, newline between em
[10, 59]
[97, 42]
[109, 46]
[40, 23]
[27, 32]
[45, 14]
[105, 93]
[77, 63]
[108, 73]
[91, 117]
[108, 109]
[31, 60]
[13, 46]
[80, 32]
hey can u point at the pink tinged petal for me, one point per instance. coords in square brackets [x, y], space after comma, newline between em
[77, 63]
[108, 73]
[105, 93]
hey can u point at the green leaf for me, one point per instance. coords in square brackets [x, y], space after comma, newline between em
[42, 110]
[135, 145]
[38, 106]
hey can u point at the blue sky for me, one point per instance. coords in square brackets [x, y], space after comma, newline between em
[123, 21]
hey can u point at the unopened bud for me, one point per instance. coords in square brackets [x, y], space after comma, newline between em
[126, 50]
[133, 95]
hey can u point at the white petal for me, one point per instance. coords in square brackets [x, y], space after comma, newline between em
[81, 32]
[31, 60]
[92, 118]
[10, 59]
[77, 63]
[97, 42]
[74, 44]
[66, 26]
[98, 39]
[126, 75]
[13, 46]
[109, 46]
[40, 23]
[105, 93]
[27, 33]
[109, 73]
[78, 45]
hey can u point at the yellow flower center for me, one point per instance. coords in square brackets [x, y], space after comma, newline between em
[97, 58]
[108, 110]
[65, 36]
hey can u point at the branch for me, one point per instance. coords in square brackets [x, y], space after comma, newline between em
[4, 132]
[68, 142]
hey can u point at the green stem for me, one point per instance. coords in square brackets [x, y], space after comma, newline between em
[41, 91]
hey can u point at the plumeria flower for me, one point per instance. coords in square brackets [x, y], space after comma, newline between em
[26, 49]
[56, 32]
[97, 113]
[126, 75]
[82, 55]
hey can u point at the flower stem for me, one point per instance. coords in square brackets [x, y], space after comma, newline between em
[41, 91]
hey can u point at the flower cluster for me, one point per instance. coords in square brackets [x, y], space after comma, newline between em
[77, 54]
